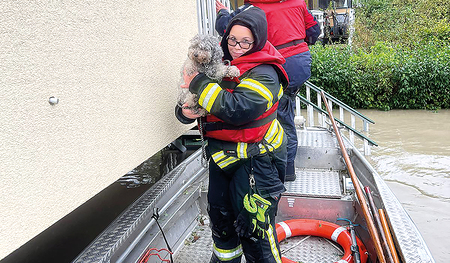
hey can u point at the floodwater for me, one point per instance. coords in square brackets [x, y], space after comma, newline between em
[413, 157]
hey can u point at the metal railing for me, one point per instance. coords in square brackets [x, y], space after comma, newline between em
[206, 15]
[322, 115]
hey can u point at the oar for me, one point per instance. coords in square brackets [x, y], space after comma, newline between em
[387, 232]
[359, 193]
[375, 215]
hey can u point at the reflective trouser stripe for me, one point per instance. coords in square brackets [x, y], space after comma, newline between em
[273, 244]
[227, 254]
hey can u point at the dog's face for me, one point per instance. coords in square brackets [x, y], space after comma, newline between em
[204, 48]
[202, 56]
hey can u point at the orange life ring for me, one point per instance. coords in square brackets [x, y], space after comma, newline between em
[312, 227]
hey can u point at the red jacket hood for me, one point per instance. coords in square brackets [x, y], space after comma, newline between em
[265, 1]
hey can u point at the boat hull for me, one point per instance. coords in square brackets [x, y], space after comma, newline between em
[320, 192]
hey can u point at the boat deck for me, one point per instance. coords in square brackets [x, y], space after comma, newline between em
[321, 191]
[321, 184]
[307, 249]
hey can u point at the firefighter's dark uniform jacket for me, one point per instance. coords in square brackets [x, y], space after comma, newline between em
[291, 28]
[244, 137]
[242, 121]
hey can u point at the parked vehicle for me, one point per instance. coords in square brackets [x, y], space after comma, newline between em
[335, 19]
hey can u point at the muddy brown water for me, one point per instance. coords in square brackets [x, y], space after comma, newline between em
[413, 157]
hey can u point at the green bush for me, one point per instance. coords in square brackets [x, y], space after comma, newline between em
[399, 59]
[408, 23]
[423, 78]
[385, 77]
[332, 68]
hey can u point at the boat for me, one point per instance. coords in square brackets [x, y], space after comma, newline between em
[317, 214]
[74, 139]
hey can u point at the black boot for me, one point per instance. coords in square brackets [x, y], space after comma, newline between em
[290, 172]
[214, 259]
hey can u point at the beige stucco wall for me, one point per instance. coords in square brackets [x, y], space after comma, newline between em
[114, 65]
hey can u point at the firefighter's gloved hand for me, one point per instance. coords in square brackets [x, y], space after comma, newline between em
[243, 224]
[254, 217]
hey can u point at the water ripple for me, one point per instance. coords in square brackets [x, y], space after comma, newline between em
[414, 149]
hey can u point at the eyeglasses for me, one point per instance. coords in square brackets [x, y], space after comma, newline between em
[243, 44]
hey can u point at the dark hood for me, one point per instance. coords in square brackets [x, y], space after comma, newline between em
[253, 18]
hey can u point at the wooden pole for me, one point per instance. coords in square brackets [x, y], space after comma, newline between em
[388, 235]
[375, 215]
[359, 193]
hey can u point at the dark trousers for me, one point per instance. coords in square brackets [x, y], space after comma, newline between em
[225, 200]
[298, 68]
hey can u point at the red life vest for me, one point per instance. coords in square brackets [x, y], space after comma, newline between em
[286, 22]
[248, 133]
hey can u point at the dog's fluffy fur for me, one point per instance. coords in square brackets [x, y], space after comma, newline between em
[204, 56]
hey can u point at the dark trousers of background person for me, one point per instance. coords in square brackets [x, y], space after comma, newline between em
[225, 200]
[298, 68]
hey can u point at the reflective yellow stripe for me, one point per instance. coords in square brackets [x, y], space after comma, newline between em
[270, 134]
[227, 161]
[273, 245]
[242, 150]
[209, 95]
[227, 254]
[280, 92]
[274, 137]
[260, 89]
[272, 131]
[278, 140]
[222, 160]
[264, 148]
[218, 156]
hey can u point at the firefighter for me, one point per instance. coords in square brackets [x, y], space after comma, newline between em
[246, 143]
[291, 28]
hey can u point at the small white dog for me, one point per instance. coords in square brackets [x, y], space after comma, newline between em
[204, 56]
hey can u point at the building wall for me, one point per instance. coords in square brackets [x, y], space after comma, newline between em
[115, 67]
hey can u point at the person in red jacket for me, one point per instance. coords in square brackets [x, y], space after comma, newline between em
[246, 143]
[291, 28]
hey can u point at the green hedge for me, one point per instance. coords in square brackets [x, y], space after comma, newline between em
[385, 77]
[399, 59]
[409, 23]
